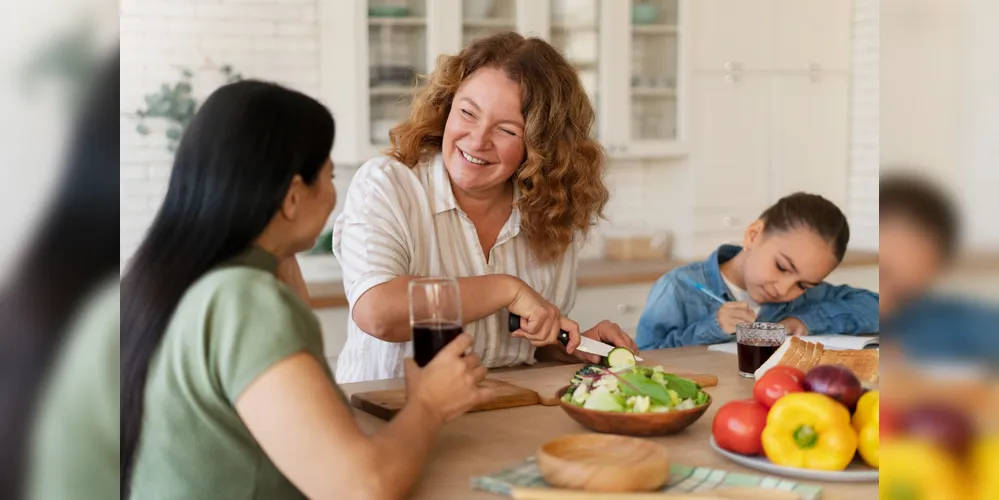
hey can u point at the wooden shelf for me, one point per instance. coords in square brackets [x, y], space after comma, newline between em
[573, 27]
[655, 29]
[653, 92]
[579, 64]
[398, 90]
[489, 22]
[397, 21]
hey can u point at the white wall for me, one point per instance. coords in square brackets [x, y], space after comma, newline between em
[268, 39]
[980, 119]
[940, 107]
[864, 126]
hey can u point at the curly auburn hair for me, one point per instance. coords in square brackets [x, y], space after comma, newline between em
[561, 179]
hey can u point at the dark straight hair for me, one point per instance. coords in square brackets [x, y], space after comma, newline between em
[810, 211]
[74, 249]
[232, 171]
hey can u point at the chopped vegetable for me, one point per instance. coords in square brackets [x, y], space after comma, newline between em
[619, 357]
[602, 399]
[634, 389]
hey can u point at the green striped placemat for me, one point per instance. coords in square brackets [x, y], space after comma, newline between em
[682, 479]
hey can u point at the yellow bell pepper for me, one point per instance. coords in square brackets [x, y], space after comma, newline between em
[867, 407]
[913, 468]
[811, 431]
[867, 422]
[984, 463]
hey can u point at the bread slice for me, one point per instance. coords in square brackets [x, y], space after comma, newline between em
[864, 363]
[805, 355]
[794, 352]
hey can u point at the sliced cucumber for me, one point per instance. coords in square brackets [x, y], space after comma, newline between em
[619, 357]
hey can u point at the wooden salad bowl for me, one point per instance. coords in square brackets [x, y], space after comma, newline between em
[633, 424]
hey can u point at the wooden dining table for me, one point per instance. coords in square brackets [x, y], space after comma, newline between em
[486, 442]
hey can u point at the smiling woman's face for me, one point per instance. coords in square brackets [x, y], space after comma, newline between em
[483, 142]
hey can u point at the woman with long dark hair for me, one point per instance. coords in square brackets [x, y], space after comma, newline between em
[224, 388]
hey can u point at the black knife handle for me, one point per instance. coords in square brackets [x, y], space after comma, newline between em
[514, 324]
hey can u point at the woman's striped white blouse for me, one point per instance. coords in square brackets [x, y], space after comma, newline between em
[399, 221]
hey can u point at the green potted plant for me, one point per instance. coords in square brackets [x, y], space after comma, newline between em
[175, 104]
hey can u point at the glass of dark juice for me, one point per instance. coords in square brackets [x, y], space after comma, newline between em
[434, 316]
[755, 343]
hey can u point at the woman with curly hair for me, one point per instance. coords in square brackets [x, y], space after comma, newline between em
[494, 180]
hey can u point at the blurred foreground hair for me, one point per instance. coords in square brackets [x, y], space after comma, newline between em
[74, 249]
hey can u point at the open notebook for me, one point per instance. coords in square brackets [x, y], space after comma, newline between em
[830, 341]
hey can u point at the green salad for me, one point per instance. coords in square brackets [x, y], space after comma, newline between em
[626, 387]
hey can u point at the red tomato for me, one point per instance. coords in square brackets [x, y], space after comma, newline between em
[790, 370]
[774, 385]
[738, 426]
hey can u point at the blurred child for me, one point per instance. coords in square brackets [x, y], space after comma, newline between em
[919, 239]
[776, 276]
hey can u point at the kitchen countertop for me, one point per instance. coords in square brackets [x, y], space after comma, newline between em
[485, 442]
[327, 290]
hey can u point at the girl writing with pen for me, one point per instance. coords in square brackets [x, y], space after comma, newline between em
[775, 276]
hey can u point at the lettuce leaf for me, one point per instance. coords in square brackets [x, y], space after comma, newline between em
[637, 384]
[684, 388]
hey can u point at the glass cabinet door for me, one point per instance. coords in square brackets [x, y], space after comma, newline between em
[397, 53]
[481, 18]
[575, 31]
[654, 67]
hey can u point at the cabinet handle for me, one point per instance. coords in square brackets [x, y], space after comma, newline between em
[733, 66]
[624, 308]
[814, 70]
[727, 221]
[731, 78]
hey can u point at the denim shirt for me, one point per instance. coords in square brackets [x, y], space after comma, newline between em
[941, 328]
[677, 314]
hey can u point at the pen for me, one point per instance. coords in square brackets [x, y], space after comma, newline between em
[703, 289]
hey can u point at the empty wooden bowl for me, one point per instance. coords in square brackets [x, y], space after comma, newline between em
[633, 424]
[601, 462]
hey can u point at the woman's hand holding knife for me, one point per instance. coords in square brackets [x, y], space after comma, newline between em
[541, 321]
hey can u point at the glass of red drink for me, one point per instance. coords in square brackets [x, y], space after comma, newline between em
[755, 343]
[434, 316]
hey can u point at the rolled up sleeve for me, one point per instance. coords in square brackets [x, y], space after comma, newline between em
[370, 240]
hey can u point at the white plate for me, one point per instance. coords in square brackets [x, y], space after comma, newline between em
[856, 472]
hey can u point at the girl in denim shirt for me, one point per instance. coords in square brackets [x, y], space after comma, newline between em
[776, 276]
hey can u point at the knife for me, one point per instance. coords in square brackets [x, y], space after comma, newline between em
[586, 344]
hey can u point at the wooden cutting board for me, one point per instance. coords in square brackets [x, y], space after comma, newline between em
[385, 404]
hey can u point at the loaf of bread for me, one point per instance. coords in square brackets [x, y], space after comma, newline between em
[805, 355]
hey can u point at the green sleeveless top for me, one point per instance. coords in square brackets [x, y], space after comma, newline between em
[231, 326]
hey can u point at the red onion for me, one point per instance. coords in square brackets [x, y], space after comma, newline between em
[835, 381]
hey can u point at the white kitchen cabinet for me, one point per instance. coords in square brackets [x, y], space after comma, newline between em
[732, 35]
[333, 321]
[769, 110]
[645, 61]
[633, 69]
[370, 53]
[621, 304]
[765, 35]
[630, 56]
[810, 141]
[810, 35]
[730, 138]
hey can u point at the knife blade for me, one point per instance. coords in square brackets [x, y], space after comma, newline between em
[586, 344]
